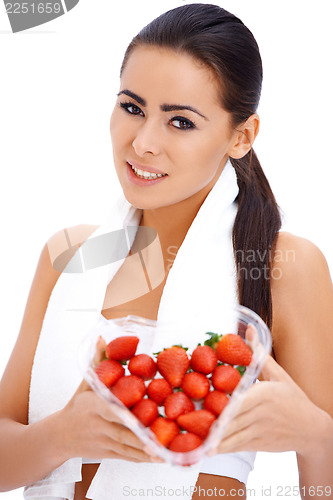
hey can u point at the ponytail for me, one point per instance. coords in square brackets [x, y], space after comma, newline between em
[254, 236]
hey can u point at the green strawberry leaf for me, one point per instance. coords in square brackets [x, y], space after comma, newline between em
[214, 338]
[175, 345]
[241, 369]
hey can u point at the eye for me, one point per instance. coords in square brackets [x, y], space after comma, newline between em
[131, 108]
[183, 123]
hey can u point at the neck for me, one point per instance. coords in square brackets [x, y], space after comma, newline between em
[173, 221]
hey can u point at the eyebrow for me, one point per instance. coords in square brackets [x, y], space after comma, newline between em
[164, 107]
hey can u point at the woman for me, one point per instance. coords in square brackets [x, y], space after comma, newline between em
[189, 90]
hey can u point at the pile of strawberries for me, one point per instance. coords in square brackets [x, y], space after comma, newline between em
[178, 397]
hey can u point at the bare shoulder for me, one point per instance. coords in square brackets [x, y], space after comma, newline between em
[295, 249]
[75, 234]
[62, 245]
[302, 299]
[299, 273]
[297, 261]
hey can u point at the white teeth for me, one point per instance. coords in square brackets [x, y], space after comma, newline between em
[144, 174]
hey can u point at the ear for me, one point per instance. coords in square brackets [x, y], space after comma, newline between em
[244, 137]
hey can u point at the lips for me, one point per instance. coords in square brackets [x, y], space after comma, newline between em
[144, 181]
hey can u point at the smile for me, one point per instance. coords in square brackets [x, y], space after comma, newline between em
[144, 174]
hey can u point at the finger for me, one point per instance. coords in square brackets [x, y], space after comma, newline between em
[243, 440]
[122, 434]
[129, 452]
[251, 335]
[111, 412]
[241, 421]
[100, 351]
[243, 418]
[153, 455]
[125, 436]
[250, 399]
[272, 371]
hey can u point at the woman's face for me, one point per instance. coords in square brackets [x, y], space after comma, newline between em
[153, 129]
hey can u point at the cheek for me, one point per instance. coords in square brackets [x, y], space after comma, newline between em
[118, 131]
[203, 151]
[187, 147]
[215, 147]
[113, 127]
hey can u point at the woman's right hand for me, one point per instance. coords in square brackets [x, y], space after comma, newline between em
[91, 429]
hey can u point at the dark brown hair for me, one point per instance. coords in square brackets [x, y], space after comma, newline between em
[221, 41]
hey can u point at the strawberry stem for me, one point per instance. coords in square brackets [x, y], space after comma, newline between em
[214, 338]
[180, 345]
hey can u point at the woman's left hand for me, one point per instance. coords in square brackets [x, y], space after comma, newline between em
[275, 416]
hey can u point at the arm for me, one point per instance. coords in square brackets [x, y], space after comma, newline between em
[292, 408]
[22, 455]
[303, 346]
[85, 427]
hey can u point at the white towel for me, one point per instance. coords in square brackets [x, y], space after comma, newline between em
[201, 285]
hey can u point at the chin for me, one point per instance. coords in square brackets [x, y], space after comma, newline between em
[139, 202]
[145, 203]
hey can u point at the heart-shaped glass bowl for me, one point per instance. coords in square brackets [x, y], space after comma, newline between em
[155, 336]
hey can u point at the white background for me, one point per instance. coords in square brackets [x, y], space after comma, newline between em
[57, 89]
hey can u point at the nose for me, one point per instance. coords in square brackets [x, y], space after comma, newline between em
[147, 139]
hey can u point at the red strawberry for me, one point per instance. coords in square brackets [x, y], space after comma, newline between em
[215, 401]
[146, 411]
[109, 371]
[143, 366]
[203, 359]
[176, 404]
[165, 430]
[158, 390]
[195, 385]
[173, 363]
[198, 422]
[122, 348]
[232, 349]
[129, 389]
[185, 442]
[225, 378]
